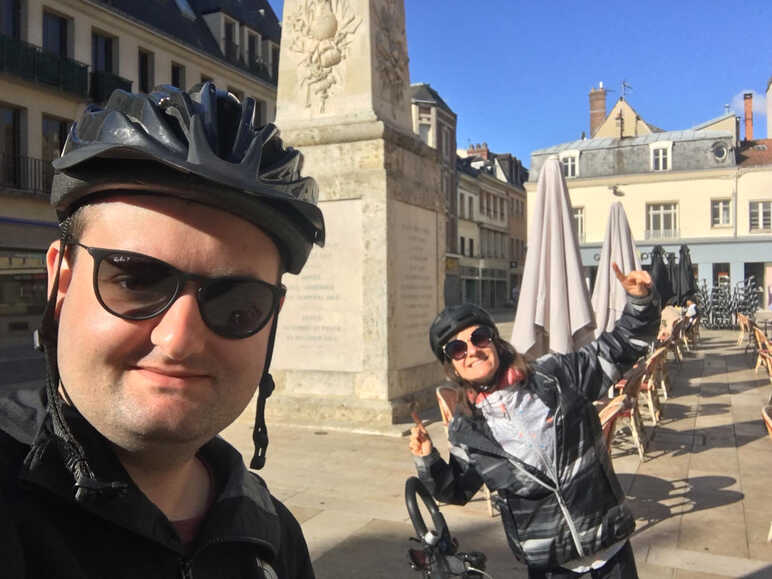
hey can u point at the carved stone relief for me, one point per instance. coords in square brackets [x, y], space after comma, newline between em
[391, 53]
[323, 32]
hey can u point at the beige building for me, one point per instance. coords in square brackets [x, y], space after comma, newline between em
[57, 56]
[701, 186]
[491, 225]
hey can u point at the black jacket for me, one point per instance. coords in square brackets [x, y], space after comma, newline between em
[549, 522]
[45, 534]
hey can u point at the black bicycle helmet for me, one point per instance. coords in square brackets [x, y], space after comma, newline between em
[452, 320]
[202, 146]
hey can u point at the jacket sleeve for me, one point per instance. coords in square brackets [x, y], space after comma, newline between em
[454, 482]
[596, 366]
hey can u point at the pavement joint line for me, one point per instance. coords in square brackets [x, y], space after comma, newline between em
[724, 565]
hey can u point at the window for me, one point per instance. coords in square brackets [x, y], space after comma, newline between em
[10, 137]
[146, 71]
[54, 136]
[462, 245]
[260, 113]
[102, 53]
[446, 142]
[471, 247]
[661, 221]
[231, 48]
[461, 206]
[253, 46]
[471, 208]
[423, 132]
[579, 223]
[570, 162]
[488, 205]
[424, 110]
[511, 248]
[661, 156]
[275, 60]
[495, 207]
[569, 166]
[660, 159]
[10, 18]
[761, 215]
[178, 75]
[719, 212]
[54, 34]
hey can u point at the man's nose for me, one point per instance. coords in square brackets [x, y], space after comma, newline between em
[180, 331]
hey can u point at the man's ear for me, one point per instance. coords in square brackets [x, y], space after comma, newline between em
[65, 273]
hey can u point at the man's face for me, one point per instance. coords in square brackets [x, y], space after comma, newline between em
[168, 379]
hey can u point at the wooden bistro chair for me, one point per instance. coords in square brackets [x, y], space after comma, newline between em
[763, 352]
[693, 331]
[650, 375]
[448, 397]
[621, 407]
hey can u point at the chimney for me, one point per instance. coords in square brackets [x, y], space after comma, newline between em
[597, 108]
[483, 151]
[748, 99]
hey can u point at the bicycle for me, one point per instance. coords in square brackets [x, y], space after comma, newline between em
[438, 557]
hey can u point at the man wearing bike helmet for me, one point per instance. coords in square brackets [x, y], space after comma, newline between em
[531, 433]
[178, 219]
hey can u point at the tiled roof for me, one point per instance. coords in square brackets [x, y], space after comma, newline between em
[609, 142]
[168, 18]
[755, 153]
[257, 14]
[423, 92]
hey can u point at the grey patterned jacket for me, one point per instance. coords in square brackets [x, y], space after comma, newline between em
[576, 507]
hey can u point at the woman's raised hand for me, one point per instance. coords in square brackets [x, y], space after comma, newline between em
[636, 283]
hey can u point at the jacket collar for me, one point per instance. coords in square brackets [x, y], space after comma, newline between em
[243, 510]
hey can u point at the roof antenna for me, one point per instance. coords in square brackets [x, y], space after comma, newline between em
[625, 88]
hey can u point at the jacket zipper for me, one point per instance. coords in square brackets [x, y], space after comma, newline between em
[561, 503]
[186, 570]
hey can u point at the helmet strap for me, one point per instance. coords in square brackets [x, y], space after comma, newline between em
[86, 484]
[264, 390]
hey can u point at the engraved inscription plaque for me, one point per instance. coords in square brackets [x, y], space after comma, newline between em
[320, 327]
[413, 259]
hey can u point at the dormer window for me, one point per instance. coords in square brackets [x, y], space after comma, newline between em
[570, 162]
[661, 156]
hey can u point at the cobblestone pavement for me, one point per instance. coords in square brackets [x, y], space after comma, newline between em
[701, 496]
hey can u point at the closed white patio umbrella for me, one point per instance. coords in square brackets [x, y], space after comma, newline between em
[608, 296]
[554, 312]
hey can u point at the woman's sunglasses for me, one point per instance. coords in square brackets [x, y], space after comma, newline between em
[134, 286]
[480, 338]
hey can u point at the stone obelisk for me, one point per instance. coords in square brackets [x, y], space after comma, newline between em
[352, 340]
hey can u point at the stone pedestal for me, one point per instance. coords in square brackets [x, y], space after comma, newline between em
[352, 340]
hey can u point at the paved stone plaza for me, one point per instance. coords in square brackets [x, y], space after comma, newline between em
[701, 496]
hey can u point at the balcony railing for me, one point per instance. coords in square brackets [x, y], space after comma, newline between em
[658, 234]
[104, 83]
[26, 174]
[31, 63]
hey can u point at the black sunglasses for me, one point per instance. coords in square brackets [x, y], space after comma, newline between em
[134, 286]
[480, 338]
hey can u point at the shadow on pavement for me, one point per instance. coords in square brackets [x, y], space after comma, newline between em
[380, 551]
[647, 496]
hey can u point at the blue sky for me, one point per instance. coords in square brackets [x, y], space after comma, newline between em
[518, 73]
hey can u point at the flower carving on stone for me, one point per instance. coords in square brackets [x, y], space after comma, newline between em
[391, 52]
[324, 30]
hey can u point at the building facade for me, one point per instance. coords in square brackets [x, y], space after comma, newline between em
[435, 124]
[57, 56]
[491, 226]
[703, 186]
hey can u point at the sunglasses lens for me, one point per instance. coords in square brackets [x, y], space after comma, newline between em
[236, 308]
[134, 286]
[455, 349]
[482, 337]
